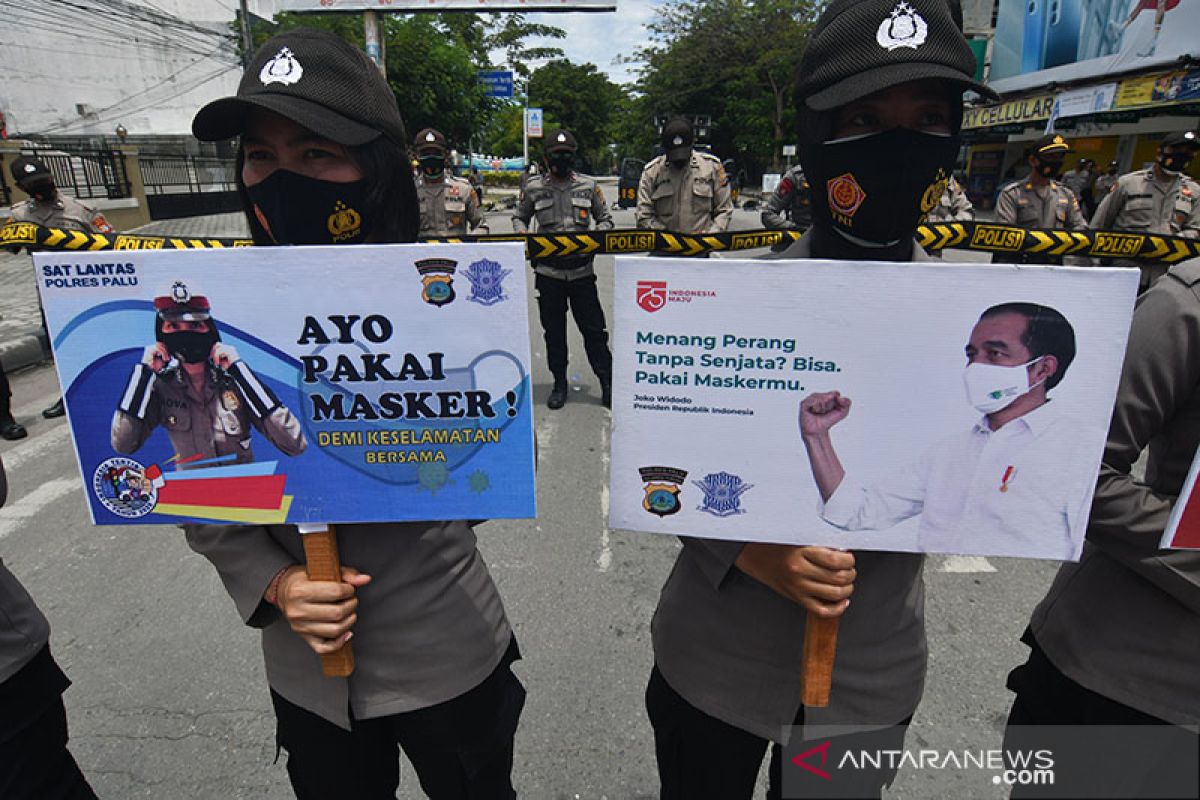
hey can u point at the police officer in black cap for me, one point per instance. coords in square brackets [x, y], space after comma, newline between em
[563, 200]
[1040, 201]
[879, 103]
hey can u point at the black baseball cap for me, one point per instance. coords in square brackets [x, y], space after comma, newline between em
[1181, 137]
[677, 138]
[860, 47]
[1052, 144]
[561, 141]
[429, 140]
[315, 79]
[27, 168]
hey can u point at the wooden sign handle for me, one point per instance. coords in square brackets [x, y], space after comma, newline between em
[322, 564]
[820, 647]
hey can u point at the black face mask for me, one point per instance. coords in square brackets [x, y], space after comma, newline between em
[191, 347]
[561, 165]
[296, 209]
[433, 167]
[42, 191]
[877, 188]
[1049, 169]
[1174, 163]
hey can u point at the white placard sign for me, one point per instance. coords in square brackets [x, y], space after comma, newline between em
[811, 402]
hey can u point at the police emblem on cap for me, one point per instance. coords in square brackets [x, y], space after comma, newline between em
[429, 137]
[904, 27]
[180, 293]
[562, 137]
[662, 489]
[30, 168]
[344, 223]
[678, 140]
[283, 68]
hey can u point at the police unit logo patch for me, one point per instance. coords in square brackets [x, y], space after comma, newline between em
[436, 277]
[845, 197]
[663, 485]
[722, 494]
[126, 488]
[486, 279]
[283, 68]
[230, 401]
[904, 27]
[651, 295]
[344, 223]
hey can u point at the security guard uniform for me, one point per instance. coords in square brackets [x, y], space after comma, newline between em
[567, 204]
[790, 205]
[1140, 202]
[692, 198]
[449, 205]
[212, 422]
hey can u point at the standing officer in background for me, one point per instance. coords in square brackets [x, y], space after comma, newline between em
[1040, 201]
[1104, 183]
[449, 205]
[1079, 181]
[563, 200]
[49, 207]
[1161, 199]
[880, 84]
[683, 190]
[790, 205]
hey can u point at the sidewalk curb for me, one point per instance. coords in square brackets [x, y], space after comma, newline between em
[23, 350]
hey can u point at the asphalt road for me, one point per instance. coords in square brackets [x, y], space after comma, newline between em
[169, 699]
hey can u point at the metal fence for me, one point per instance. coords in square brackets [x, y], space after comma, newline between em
[86, 174]
[186, 174]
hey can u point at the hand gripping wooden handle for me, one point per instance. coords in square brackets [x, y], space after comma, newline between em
[820, 647]
[322, 564]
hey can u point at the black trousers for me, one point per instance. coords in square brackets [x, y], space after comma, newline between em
[35, 763]
[461, 749]
[5, 396]
[1092, 763]
[554, 296]
[700, 756]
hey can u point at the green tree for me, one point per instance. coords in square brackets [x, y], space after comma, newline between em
[734, 60]
[582, 99]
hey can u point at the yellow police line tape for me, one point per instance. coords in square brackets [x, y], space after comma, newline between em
[956, 235]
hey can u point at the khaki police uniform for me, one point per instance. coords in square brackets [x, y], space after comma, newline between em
[1104, 185]
[1140, 202]
[567, 206]
[1052, 207]
[790, 205]
[692, 199]
[63, 212]
[449, 208]
[215, 423]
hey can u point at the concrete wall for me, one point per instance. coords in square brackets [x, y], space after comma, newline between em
[77, 73]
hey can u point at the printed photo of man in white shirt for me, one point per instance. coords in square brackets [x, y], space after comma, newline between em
[1017, 483]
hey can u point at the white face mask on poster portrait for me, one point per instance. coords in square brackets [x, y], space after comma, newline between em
[992, 387]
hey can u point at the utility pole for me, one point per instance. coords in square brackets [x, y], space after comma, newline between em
[374, 40]
[247, 39]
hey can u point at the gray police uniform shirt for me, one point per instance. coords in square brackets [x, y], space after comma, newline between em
[449, 208]
[694, 198]
[1052, 206]
[790, 205]
[219, 423]
[733, 648]
[24, 630]
[1139, 202]
[1104, 185]
[63, 212]
[1125, 620]
[431, 625]
[562, 206]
